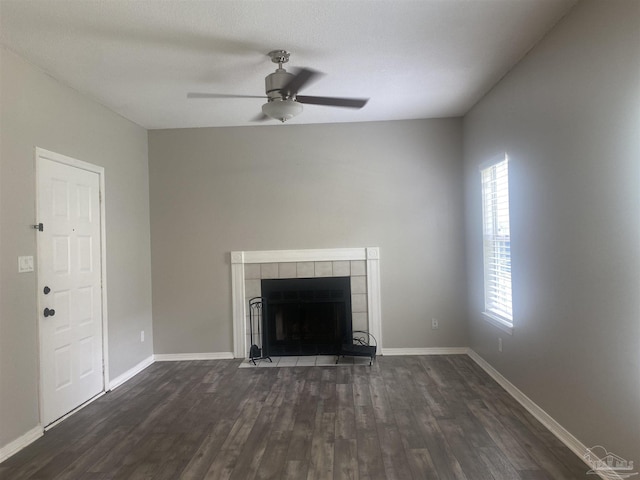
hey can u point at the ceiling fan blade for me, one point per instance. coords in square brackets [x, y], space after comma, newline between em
[304, 76]
[333, 101]
[220, 95]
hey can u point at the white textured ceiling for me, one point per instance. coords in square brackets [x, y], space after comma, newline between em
[413, 59]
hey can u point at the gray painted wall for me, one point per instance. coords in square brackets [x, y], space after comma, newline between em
[396, 185]
[35, 110]
[569, 118]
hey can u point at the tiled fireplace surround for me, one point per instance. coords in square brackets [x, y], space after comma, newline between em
[360, 264]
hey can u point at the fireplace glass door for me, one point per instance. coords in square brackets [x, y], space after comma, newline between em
[306, 316]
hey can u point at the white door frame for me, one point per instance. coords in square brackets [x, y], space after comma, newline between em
[72, 162]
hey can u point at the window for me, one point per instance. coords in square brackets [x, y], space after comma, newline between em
[497, 244]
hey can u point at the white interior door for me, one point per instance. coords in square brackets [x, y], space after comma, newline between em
[69, 287]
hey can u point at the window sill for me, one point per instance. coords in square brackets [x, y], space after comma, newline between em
[498, 322]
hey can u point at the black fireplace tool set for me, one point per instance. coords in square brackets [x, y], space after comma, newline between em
[256, 313]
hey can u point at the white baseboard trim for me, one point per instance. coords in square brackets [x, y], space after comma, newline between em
[19, 443]
[132, 372]
[575, 445]
[426, 351]
[178, 357]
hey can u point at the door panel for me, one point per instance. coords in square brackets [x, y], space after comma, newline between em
[69, 263]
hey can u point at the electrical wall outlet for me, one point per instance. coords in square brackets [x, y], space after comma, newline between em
[500, 344]
[435, 324]
[142, 335]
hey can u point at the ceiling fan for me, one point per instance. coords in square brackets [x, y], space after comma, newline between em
[282, 87]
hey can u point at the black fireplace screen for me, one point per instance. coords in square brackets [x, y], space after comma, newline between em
[306, 316]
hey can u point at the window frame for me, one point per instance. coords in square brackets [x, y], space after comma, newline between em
[494, 258]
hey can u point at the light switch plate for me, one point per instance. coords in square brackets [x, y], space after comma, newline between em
[25, 264]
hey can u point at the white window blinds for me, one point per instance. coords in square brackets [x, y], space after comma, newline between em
[497, 241]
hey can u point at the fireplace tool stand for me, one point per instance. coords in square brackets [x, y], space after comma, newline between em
[256, 315]
[363, 344]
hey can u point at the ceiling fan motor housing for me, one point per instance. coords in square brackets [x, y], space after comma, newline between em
[274, 83]
[281, 104]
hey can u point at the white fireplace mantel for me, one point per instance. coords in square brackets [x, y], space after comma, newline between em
[238, 259]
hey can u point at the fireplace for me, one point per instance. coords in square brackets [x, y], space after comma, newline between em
[306, 316]
[362, 265]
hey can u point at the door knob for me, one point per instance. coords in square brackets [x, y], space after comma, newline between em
[46, 290]
[49, 312]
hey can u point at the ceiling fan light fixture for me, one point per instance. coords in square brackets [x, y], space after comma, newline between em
[282, 110]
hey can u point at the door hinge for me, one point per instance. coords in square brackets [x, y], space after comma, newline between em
[39, 227]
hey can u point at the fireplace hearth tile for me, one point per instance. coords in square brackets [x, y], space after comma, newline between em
[360, 360]
[358, 284]
[325, 360]
[287, 361]
[251, 271]
[324, 269]
[358, 267]
[269, 270]
[252, 288]
[267, 364]
[359, 303]
[359, 321]
[305, 269]
[342, 268]
[287, 270]
[306, 361]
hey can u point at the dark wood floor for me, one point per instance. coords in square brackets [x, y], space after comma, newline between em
[420, 417]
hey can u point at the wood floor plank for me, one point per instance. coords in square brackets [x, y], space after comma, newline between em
[541, 453]
[412, 437]
[176, 453]
[498, 464]
[295, 470]
[227, 458]
[207, 451]
[86, 459]
[345, 422]
[394, 457]
[415, 417]
[345, 453]
[114, 458]
[382, 405]
[465, 453]
[444, 460]
[370, 464]
[533, 475]
[254, 446]
[344, 376]
[322, 444]
[361, 394]
[421, 464]
[345, 458]
[321, 461]
[507, 443]
[279, 437]
[301, 435]
[273, 460]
